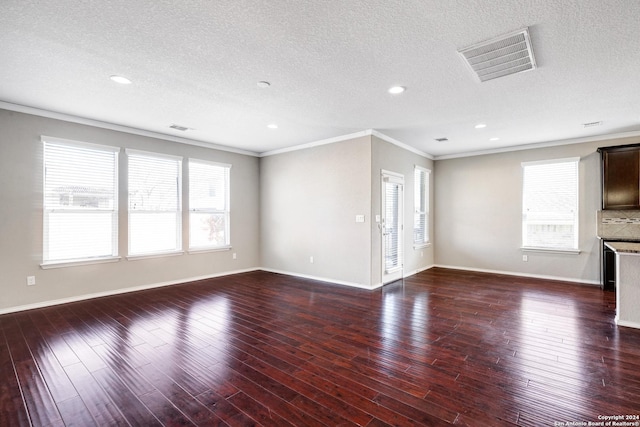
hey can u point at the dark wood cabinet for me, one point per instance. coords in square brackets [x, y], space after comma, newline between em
[621, 177]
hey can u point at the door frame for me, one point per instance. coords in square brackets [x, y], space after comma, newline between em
[396, 272]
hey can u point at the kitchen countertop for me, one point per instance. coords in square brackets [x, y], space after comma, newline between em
[624, 247]
[627, 283]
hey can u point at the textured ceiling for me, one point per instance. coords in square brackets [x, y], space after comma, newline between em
[196, 63]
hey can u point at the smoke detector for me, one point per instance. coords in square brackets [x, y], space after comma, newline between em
[501, 56]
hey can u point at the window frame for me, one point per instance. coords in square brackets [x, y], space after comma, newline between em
[177, 250]
[226, 211]
[47, 262]
[417, 197]
[575, 249]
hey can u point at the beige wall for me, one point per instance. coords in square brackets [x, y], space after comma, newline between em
[478, 213]
[309, 201]
[21, 218]
[289, 207]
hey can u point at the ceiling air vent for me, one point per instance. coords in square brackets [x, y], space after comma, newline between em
[178, 127]
[442, 139]
[501, 56]
[592, 124]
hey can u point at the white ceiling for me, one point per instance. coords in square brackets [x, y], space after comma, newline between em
[196, 63]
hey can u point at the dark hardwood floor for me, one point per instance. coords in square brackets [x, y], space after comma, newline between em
[445, 347]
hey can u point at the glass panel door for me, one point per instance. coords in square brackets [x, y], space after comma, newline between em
[392, 226]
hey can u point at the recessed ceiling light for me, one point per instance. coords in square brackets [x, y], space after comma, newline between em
[396, 90]
[481, 125]
[494, 139]
[120, 79]
[263, 84]
[272, 126]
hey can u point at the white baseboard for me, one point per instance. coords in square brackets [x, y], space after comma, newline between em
[84, 297]
[627, 323]
[512, 273]
[118, 291]
[321, 279]
[341, 282]
[412, 272]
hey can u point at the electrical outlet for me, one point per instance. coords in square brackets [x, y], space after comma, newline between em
[311, 259]
[525, 258]
[234, 255]
[31, 280]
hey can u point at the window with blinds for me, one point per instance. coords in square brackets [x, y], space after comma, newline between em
[80, 215]
[550, 205]
[209, 210]
[421, 206]
[155, 213]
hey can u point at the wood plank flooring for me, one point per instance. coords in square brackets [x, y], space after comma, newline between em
[444, 347]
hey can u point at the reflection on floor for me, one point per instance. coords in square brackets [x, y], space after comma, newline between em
[259, 348]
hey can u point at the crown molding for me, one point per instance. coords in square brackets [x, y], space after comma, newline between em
[400, 144]
[119, 128]
[316, 143]
[368, 132]
[603, 137]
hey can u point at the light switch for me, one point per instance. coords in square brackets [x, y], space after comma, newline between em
[359, 218]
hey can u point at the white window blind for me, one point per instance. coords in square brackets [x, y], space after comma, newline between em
[155, 214]
[209, 211]
[421, 206]
[550, 204]
[80, 201]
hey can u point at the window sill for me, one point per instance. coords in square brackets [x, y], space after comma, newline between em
[78, 262]
[422, 245]
[154, 255]
[210, 249]
[551, 250]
